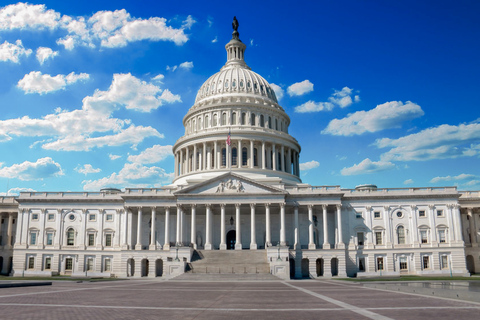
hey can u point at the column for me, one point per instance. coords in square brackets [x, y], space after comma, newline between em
[282, 159]
[388, 234]
[209, 158]
[130, 233]
[181, 169]
[311, 242]
[194, 164]
[175, 161]
[177, 235]
[413, 214]
[252, 154]
[125, 231]
[458, 222]
[215, 157]
[138, 246]
[223, 244]
[204, 157]
[239, 154]
[253, 240]
[433, 226]
[208, 228]
[282, 224]
[153, 240]
[289, 161]
[274, 158]
[9, 229]
[296, 244]
[41, 233]
[187, 160]
[193, 231]
[268, 234]
[263, 155]
[118, 222]
[340, 244]
[182, 226]
[471, 224]
[166, 245]
[101, 218]
[451, 224]
[21, 213]
[326, 244]
[238, 231]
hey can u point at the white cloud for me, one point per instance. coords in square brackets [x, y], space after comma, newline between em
[408, 181]
[36, 82]
[385, 116]
[114, 156]
[340, 98]
[86, 169]
[172, 68]
[278, 91]
[300, 88]
[16, 191]
[41, 169]
[12, 52]
[472, 183]
[24, 15]
[189, 22]
[367, 166]
[154, 154]
[215, 40]
[442, 142]
[159, 77]
[186, 65]
[309, 165]
[44, 54]
[462, 176]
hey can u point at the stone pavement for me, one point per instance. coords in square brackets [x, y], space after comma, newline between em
[154, 299]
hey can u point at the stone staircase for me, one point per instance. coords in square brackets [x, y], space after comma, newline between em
[228, 265]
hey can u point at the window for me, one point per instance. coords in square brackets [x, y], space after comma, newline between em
[401, 235]
[377, 215]
[444, 262]
[441, 236]
[224, 157]
[269, 122]
[49, 238]
[426, 260]
[360, 239]
[399, 214]
[109, 217]
[31, 262]
[244, 115]
[276, 124]
[262, 121]
[89, 264]
[33, 238]
[224, 119]
[91, 239]
[252, 119]
[439, 213]
[244, 156]
[361, 264]
[234, 156]
[68, 264]
[108, 265]
[358, 215]
[234, 118]
[378, 237]
[70, 237]
[34, 216]
[51, 217]
[92, 217]
[403, 263]
[255, 158]
[421, 213]
[108, 240]
[48, 263]
[379, 263]
[423, 236]
[215, 120]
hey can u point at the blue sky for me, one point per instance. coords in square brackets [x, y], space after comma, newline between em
[92, 94]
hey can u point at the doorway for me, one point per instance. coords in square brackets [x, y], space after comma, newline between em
[231, 239]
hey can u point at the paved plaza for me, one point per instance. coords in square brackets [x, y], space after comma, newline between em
[153, 299]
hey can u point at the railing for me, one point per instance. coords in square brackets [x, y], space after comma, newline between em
[402, 190]
[469, 194]
[51, 195]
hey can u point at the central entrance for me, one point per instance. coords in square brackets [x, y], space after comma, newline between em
[231, 239]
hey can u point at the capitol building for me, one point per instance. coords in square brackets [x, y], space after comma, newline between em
[237, 205]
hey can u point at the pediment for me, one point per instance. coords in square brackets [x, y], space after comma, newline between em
[229, 184]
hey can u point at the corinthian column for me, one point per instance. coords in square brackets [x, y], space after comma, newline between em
[282, 224]
[311, 243]
[193, 229]
[326, 244]
[238, 231]
[253, 240]
[223, 245]
[208, 231]
[138, 246]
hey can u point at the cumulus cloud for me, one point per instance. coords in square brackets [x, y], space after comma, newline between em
[36, 82]
[462, 176]
[24, 15]
[186, 65]
[408, 181]
[278, 91]
[309, 165]
[385, 116]
[300, 88]
[16, 191]
[340, 98]
[86, 169]
[13, 52]
[44, 54]
[442, 142]
[189, 22]
[154, 154]
[367, 166]
[159, 77]
[114, 156]
[41, 169]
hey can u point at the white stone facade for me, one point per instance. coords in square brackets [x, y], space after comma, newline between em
[237, 186]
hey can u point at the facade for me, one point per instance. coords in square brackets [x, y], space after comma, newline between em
[237, 186]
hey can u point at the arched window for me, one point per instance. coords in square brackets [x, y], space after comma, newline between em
[206, 121]
[193, 125]
[401, 235]
[199, 124]
[215, 120]
[244, 116]
[70, 237]
[234, 118]
[224, 157]
[276, 124]
[197, 163]
[279, 159]
[262, 121]
[255, 158]
[234, 156]
[224, 119]
[252, 119]
[244, 156]
[270, 122]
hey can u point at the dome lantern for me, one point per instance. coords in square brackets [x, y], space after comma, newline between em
[235, 49]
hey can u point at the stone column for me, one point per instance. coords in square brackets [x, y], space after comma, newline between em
[179, 224]
[282, 159]
[326, 244]
[458, 222]
[175, 161]
[274, 158]
[153, 242]
[229, 156]
[118, 223]
[268, 234]
[223, 245]
[187, 160]
[130, 233]
[193, 231]
[282, 224]
[166, 245]
[181, 169]
[263, 155]
[208, 231]
[433, 226]
[204, 157]
[289, 161]
[209, 158]
[101, 219]
[239, 154]
[215, 156]
[340, 244]
[296, 244]
[9, 229]
[58, 231]
[311, 242]
[388, 233]
[253, 240]
[238, 231]
[41, 232]
[125, 231]
[451, 224]
[413, 214]
[138, 245]
[471, 225]
[252, 152]
[194, 164]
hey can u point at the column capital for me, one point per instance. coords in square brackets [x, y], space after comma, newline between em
[431, 206]
[208, 205]
[413, 206]
[267, 205]
[237, 205]
[310, 206]
[252, 205]
[179, 206]
[84, 211]
[339, 207]
[469, 211]
[368, 208]
[223, 205]
[282, 205]
[386, 208]
[167, 208]
[193, 205]
[324, 206]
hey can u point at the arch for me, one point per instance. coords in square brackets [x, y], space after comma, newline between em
[1, 264]
[319, 264]
[145, 265]
[70, 237]
[231, 239]
[215, 118]
[158, 268]
[334, 263]
[305, 268]
[206, 122]
[130, 267]
[400, 234]
[292, 268]
[470, 264]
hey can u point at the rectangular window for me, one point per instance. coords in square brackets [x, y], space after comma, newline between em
[378, 237]
[49, 238]
[108, 240]
[91, 239]
[360, 238]
[108, 265]
[48, 263]
[377, 215]
[34, 216]
[421, 213]
[68, 264]
[359, 215]
[361, 264]
[89, 264]
[441, 236]
[380, 264]
[403, 263]
[426, 261]
[33, 238]
[31, 262]
[92, 217]
[439, 213]
[444, 262]
[423, 236]
[51, 217]
[109, 217]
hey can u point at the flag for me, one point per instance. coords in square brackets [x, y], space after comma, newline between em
[229, 142]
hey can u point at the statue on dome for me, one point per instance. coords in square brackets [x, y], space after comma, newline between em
[235, 34]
